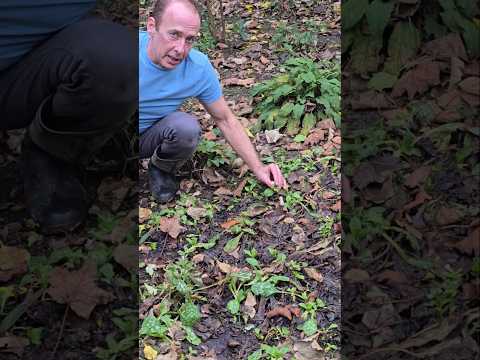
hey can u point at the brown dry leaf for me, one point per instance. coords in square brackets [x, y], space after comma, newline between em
[447, 216]
[264, 60]
[456, 72]
[13, 344]
[446, 47]
[229, 223]
[171, 226]
[239, 82]
[196, 212]
[238, 191]
[223, 191]
[127, 256]
[392, 276]
[143, 214]
[226, 268]
[315, 136]
[471, 244]
[471, 85]
[112, 192]
[420, 198]
[304, 351]
[280, 311]
[13, 261]
[249, 305]
[326, 124]
[328, 195]
[314, 274]
[356, 275]
[77, 289]
[212, 177]
[418, 176]
[418, 80]
[370, 100]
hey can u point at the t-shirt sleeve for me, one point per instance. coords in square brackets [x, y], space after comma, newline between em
[211, 90]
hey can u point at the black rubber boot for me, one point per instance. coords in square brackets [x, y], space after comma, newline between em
[51, 160]
[55, 197]
[161, 172]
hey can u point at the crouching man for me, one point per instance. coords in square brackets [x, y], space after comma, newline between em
[170, 72]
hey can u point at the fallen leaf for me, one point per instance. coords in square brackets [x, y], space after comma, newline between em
[13, 261]
[418, 80]
[144, 214]
[13, 344]
[249, 305]
[196, 212]
[418, 176]
[470, 85]
[238, 191]
[239, 82]
[356, 275]
[280, 311]
[127, 256]
[149, 352]
[112, 192]
[471, 244]
[420, 198]
[226, 268]
[315, 136]
[229, 223]
[314, 274]
[447, 216]
[446, 47]
[264, 60]
[272, 136]
[303, 350]
[223, 191]
[77, 289]
[171, 226]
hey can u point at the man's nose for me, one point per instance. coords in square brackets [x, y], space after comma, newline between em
[180, 46]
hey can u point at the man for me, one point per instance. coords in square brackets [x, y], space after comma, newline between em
[72, 82]
[170, 72]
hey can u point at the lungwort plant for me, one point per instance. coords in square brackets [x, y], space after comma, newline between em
[306, 93]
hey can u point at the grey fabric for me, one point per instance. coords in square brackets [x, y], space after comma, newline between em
[175, 137]
[90, 71]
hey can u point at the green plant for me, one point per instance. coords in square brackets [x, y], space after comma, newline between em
[216, 154]
[296, 100]
[270, 352]
[206, 41]
[445, 291]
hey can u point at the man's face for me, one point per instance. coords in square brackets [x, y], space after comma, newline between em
[172, 38]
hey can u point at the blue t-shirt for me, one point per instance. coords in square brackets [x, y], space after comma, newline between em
[163, 91]
[26, 23]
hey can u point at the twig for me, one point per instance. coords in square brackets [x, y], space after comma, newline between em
[60, 335]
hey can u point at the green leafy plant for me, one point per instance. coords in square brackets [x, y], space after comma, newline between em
[216, 154]
[306, 93]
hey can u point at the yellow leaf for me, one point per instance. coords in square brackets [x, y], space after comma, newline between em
[249, 133]
[265, 4]
[149, 352]
[249, 8]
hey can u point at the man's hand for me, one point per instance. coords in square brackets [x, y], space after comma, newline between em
[271, 176]
[235, 134]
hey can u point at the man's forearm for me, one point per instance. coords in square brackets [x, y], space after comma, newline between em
[236, 136]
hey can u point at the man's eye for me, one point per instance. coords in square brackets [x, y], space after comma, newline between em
[173, 35]
[191, 40]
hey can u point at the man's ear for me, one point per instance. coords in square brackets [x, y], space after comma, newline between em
[151, 25]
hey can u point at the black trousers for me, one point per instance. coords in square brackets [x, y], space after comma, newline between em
[88, 69]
